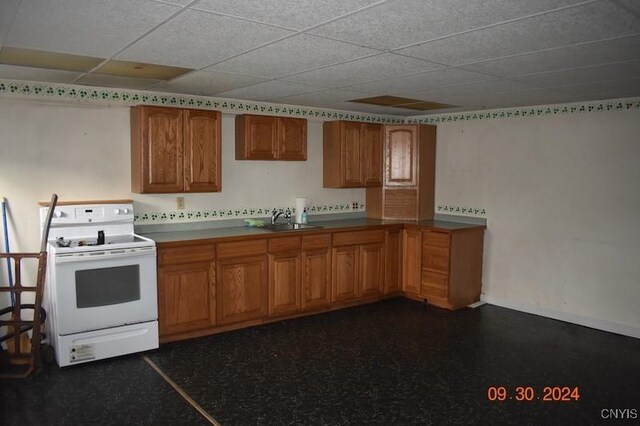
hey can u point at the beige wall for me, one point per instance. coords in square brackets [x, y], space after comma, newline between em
[82, 152]
[562, 195]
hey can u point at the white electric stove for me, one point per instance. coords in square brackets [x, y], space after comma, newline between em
[101, 289]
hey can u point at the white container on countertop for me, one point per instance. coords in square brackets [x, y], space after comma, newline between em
[301, 204]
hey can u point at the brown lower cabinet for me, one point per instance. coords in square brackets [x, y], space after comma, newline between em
[451, 275]
[358, 264]
[217, 285]
[392, 261]
[242, 281]
[316, 271]
[186, 288]
[411, 246]
[285, 263]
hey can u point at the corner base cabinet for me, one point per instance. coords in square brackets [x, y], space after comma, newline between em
[451, 275]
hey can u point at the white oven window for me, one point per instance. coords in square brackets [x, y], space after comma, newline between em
[107, 286]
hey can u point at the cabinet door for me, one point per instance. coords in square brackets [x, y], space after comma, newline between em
[371, 269]
[316, 278]
[393, 256]
[401, 156]
[345, 273]
[284, 283]
[186, 297]
[372, 155]
[351, 157]
[202, 157]
[242, 289]
[411, 257]
[261, 137]
[292, 139]
[162, 150]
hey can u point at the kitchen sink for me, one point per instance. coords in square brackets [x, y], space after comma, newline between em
[290, 227]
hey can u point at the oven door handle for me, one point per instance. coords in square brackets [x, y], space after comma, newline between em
[92, 256]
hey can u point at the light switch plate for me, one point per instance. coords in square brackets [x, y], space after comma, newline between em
[180, 203]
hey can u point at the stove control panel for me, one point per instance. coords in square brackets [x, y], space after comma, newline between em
[92, 214]
[73, 215]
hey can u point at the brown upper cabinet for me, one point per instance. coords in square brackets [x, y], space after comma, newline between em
[352, 154]
[262, 137]
[175, 150]
[409, 174]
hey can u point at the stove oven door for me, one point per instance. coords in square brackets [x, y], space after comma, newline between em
[104, 288]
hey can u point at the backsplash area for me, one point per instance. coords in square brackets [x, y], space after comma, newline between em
[460, 210]
[178, 216]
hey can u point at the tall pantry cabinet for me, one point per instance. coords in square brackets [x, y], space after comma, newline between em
[407, 191]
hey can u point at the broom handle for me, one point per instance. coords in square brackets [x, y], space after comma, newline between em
[6, 245]
[47, 223]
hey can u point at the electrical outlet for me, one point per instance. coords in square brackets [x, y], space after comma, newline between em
[180, 203]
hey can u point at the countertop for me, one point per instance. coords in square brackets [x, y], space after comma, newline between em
[328, 225]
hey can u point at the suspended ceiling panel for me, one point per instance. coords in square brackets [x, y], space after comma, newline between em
[472, 54]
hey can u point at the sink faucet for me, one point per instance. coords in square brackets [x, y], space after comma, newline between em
[276, 214]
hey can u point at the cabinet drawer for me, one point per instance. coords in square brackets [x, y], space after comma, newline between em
[187, 254]
[284, 244]
[310, 242]
[435, 259]
[358, 237]
[435, 238]
[241, 249]
[434, 284]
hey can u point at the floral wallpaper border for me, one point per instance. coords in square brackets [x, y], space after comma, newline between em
[533, 111]
[179, 216]
[459, 210]
[126, 97]
[116, 96]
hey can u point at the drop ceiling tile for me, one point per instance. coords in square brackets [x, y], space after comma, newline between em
[37, 74]
[402, 22]
[50, 60]
[473, 89]
[605, 89]
[104, 80]
[140, 70]
[8, 9]
[613, 71]
[176, 2]
[291, 55]
[593, 21]
[509, 99]
[621, 49]
[322, 98]
[269, 90]
[362, 70]
[207, 83]
[420, 82]
[197, 39]
[295, 14]
[84, 27]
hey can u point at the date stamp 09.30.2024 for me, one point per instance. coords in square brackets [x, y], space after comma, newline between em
[553, 394]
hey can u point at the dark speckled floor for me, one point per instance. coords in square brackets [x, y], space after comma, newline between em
[398, 362]
[119, 391]
[395, 362]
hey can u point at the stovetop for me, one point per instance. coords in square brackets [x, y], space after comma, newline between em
[77, 244]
